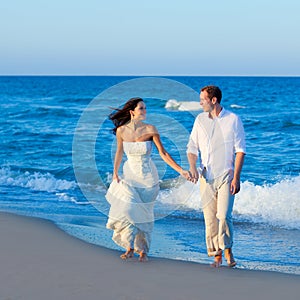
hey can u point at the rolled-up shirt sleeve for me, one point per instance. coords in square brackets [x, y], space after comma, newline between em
[192, 146]
[239, 141]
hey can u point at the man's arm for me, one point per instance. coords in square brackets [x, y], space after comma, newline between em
[193, 151]
[238, 165]
[192, 158]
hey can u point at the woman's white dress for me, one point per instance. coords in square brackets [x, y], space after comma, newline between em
[132, 200]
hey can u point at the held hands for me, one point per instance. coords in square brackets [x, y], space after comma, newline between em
[191, 175]
[194, 175]
[185, 174]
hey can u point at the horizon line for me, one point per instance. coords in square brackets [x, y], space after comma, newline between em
[152, 75]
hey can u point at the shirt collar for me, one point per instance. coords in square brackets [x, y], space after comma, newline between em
[221, 114]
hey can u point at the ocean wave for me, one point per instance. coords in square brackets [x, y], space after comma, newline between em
[65, 197]
[36, 181]
[173, 104]
[273, 204]
[237, 106]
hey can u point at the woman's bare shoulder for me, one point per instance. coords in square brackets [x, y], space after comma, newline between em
[151, 128]
[121, 129]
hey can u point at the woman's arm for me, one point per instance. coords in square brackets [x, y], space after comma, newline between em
[118, 156]
[167, 157]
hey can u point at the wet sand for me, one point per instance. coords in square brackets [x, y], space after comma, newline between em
[39, 261]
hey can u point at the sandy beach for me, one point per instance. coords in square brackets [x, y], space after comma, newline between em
[39, 261]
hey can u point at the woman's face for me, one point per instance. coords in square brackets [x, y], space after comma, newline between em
[139, 113]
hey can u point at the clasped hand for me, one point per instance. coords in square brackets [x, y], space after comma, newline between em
[191, 175]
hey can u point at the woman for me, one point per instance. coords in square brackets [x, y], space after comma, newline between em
[132, 198]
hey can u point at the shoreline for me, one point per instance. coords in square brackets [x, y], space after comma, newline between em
[40, 261]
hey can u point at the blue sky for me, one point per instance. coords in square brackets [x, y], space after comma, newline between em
[157, 37]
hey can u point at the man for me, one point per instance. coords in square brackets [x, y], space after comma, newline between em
[218, 135]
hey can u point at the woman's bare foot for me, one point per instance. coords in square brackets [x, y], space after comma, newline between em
[218, 261]
[127, 254]
[143, 257]
[229, 257]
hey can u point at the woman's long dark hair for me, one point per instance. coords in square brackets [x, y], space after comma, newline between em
[122, 116]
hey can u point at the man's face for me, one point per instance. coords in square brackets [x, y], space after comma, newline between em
[205, 102]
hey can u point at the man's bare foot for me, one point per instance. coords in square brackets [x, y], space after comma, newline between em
[143, 257]
[229, 257]
[127, 254]
[218, 261]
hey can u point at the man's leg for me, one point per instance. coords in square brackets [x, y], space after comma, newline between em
[208, 197]
[224, 214]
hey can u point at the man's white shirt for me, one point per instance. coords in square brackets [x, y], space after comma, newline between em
[217, 139]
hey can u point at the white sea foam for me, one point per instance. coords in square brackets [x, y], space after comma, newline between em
[35, 181]
[64, 197]
[276, 204]
[173, 104]
[237, 106]
[186, 195]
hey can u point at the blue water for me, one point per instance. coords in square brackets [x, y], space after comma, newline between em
[46, 165]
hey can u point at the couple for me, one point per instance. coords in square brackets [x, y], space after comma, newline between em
[219, 137]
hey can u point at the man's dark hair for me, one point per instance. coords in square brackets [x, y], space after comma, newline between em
[213, 91]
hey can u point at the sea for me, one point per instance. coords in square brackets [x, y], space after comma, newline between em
[57, 150]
